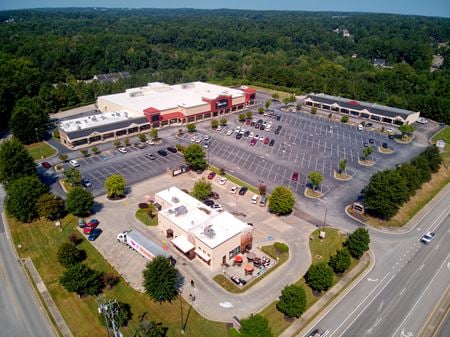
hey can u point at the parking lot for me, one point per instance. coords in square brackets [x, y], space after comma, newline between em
[133, 165]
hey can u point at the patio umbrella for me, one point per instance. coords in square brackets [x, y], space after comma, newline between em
[249, 268]
[238, 258]
[251, 256]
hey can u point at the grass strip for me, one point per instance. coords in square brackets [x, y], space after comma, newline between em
[40, 150]
[143, 217]
[235, 180]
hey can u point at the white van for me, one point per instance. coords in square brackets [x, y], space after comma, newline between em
[255, 199]
[360, 127]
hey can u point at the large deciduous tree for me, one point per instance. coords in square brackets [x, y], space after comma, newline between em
[82, 280]
[292, 301]
[29, 119]
[15, 161]
[50, 206]
[161, 280]
[115, 186]
[340, 261]
[68, 254]
[202, 189]
[72, 176]
[319, 277]
[255, 326]
[79, 201]
[281, 201]
[358, 242]
[195, 157]
[23, 196]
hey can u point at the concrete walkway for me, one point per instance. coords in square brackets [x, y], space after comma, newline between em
[366, 263]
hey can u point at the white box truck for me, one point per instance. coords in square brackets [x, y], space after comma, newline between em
[144, 246]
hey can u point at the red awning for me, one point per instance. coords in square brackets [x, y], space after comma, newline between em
[151, 110]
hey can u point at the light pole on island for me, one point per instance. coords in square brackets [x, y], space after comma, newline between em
[37, 137]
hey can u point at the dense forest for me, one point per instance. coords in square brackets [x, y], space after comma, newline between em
[294, 51]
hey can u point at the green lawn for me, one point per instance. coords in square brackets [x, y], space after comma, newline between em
[444, 135]
[235, 180]
[143, 217]
[37, 150]
[40, 240]
[322, 249]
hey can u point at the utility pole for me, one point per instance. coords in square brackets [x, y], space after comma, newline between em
[109, 308]
[37, 137]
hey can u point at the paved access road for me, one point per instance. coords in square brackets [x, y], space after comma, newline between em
[407, 281]
[20, 312]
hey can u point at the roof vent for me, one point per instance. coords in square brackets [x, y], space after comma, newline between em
[175, 200]
[209, 232]
[180, 210]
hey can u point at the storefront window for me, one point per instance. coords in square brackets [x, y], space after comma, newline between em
[234, 252]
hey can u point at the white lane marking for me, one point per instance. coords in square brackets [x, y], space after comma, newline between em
[423, 293]
[403, 290]
[372, 280]
[421, 267]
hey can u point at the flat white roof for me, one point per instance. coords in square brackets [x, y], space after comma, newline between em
[162, 96]
[208, 225]
[183, 243]
[94, 120]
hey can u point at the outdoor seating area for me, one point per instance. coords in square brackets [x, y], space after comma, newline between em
[242, 273]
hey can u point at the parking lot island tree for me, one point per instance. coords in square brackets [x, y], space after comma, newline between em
[115, 186]
[214, 123]
[202, 189]
[319, 277]
[191, 127]
[267, 103]
[357, 242]
[281, 201]
[223, 121]
[127, 142]
[316, 179]
[95, 150]
[79, 202]
[344, 119]
[260, 110]
[343, 166]
[15, 161]
[68, 254]
[82, 280]
[275, 96]
[63, 157]
[50, 206]
[313, 110]
[255, 326]
[161, 280]
[153, 133]
[85, 153]
[151, 329]
[142, 137]
[72, 176]
[367, 152]
[117, 143]
[241, 117]
[340, 261]
[195, 157]
[23, 196]
[292, 301]
[406, 129]
[249, 114]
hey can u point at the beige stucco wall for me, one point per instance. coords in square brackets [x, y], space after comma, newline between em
[197, 109]
[238, 100]
[218, 252]
[105, 105]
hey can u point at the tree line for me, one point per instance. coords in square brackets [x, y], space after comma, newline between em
[45, 52]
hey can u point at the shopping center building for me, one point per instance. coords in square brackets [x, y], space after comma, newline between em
[153, 106]
[363, 110]
[200, 232]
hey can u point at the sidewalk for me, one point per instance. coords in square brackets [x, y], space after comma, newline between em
[321, 306]
[437, 318]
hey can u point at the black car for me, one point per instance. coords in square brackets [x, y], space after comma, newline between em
[150, 156]
[391, 137]
[162, 153]
[384, 145]
[238, 135]
[172, 149]
[243, 190]
[277, 131]
[246, 133]
[85, 182]
[371, 141]
[369, 125]
[278, 118]
[272, 142]
[366, 144]
[262, 127]
[208, 202]
[279, 127]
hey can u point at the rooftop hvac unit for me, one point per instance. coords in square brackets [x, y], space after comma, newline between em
[180, 210]
[175, 200]
[209, 232]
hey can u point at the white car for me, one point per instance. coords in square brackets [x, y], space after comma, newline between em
[150, 142]
[422, 120]
[207, 137]
[360, 127]
[251, 135]
[223, 181]
[261, 138]
[242, 131]
[193, 139]
[219, 128]
[255, 199]
[229, 132]
[198, 140]
[122, 150]
[234, 189]
[427, 238]
[73, 163]
[389, 130]
[217, 207]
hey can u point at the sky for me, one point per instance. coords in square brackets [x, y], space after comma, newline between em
[416, 7]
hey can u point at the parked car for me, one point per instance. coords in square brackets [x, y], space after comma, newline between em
[391, 137]
[122, 149]
[229, 132]
[74, 163]
[254, 199]
[247, 122]
[85, 182]
[278, 118]
[360, 127]
[81, 222]
[234, 189]
[277, 131]
[272, 142]
[172, 149]
[294, 176]
[251, 135]
[261, 138]
[422, 120]
[150, 142]
[266, 140]
[263, 201]
[371, 141]
[253, 142]
[246, 133]
[208, 202]
[206, 137]
[389, 130]
[46, 164]
[217, 207]
[219, 128]
[215, 195]
[384, 145]
[93, 223]
[206, 145]
[150, 156]
[95, 233]
[140, 145]
[369, 125]
[243, 190]
[162, 153]
[211, 175]
[428, 237]
[223, 181]
[193, 139]
[366, 144]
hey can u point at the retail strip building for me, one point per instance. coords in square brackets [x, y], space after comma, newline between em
[153, 106]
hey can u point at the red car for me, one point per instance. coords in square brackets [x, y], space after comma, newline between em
[253, 142]
[46, 164]
[247, 122]
[295, 176]
[211, 175]
[266, 140]
[93, 223]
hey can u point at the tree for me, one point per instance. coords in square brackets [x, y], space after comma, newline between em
[342, 165]
[191, 127]
[79, 201]
[68, 254]
[95, 150]
[23, 196]
[161, 280]
[127, 141]
[286, 100]
[275, 96]
[85, 153]
[223, 121]
[340, 261]
[122, 316]
[110, 280]
[319, 277]
[73, 176]
[142, 137]
[316, 179]
[29, 120]
[195, 157]
[357, 242]
[344, 119]
[214, 123]
[299, 106]
[154, 133]
[202, 189]
[367, 152]
[82, 280]
[117, 143]
[50, 206]
[406, 129]
[281, 201]
[151, 329]
[241, 117]
[260, 110]
[249, 114]
[115, 186]
[15, 162]
[267, 103]
[292, 301]
[313, 110]
[255, 326]
[433, 157]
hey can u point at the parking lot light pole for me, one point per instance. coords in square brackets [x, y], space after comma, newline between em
[37, 137]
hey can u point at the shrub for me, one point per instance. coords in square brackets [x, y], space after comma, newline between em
[68, 254]
[344, 119]
[110, 280]
[85, 153]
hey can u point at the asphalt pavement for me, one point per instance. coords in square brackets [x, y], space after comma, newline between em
[20, 313]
